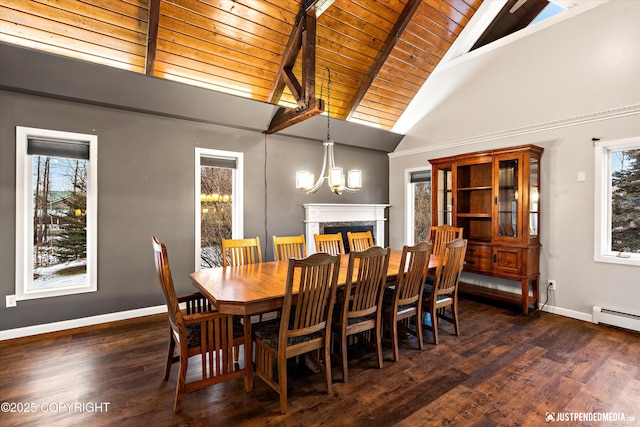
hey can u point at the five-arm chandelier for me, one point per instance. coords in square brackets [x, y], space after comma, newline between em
[335, 175]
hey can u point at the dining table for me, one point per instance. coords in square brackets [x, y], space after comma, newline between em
[253, 289]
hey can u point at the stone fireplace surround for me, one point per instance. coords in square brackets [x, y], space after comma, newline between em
[320, 215]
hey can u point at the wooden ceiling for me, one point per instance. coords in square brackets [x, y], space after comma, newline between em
[380, 52]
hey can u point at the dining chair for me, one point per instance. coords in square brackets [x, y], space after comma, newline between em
[304, 326]
[285, 247]
[404, 301]
[197, 331]
[439, 235]
[329, 243]
[359, 241]
[241, 251]
[443, 292]
[361, 307]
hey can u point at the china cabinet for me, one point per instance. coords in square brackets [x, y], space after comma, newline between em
[494, 196]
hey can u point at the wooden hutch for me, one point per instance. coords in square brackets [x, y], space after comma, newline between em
[494, 196]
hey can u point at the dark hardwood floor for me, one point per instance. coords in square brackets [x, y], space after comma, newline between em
[503, 370]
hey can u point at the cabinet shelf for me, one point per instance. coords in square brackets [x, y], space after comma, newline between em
[474, 188]
[474, 215]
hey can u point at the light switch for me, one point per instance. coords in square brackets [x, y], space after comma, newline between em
[582, 177]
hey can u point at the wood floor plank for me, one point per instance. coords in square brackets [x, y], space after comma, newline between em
[503, 370]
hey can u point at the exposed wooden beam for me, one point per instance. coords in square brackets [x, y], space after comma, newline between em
[288, 58]
[402, 22]
[152, 36]
[286, 117]
[305, 93]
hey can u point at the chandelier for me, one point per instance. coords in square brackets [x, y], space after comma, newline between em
[335, 175]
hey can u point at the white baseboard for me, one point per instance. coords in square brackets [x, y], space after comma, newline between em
[78, 323]
[568, 313]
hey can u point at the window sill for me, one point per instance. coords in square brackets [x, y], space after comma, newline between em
[615, 259]
[55, 293]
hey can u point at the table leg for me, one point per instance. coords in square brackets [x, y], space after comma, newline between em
[248, 355]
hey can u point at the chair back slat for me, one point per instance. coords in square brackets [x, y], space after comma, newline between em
[440, 235]
[449, 267]
[315, 278]
[329, 243]
[363, 294]
[241, 251]
[359, 241]
[412, 274]
[286, 247]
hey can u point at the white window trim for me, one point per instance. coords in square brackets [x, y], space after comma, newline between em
[237, 216]
[24, 210]
[602, 222]
[409, 197]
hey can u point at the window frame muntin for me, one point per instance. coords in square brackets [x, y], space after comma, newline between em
[24, 210]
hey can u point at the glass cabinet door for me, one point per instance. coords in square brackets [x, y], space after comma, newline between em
[445, 196]
[534, 197]
[508, 197]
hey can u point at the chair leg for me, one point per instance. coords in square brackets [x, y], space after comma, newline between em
[182, 379]
[419, 330]
[378, 333]
[454, 308]
[394, 339]
[343, 356]
[434, 325]
[172, 347]
[282, 384]
[327, 368]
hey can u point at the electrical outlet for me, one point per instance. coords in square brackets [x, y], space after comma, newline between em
[11, 301]
[551, 284]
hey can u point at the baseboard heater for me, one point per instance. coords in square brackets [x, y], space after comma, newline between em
[616, 318]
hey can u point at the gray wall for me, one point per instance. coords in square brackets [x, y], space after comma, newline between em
[146, 183]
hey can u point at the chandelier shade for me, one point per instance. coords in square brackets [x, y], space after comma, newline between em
[334, 175]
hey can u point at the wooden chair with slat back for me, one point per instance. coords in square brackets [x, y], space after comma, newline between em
[405, 301]
[303, 327]
[439, 235]
[285, 247]
[359, 241]
[329, 243]
[361, 307]
[443, 292]
[198, 331]
[241, 251]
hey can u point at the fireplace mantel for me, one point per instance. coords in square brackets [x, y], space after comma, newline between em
[317, 213]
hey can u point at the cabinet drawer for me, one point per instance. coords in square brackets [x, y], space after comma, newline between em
[478, 258]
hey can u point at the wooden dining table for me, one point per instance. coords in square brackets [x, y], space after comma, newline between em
[259, 288]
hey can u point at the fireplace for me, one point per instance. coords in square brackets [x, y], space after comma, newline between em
[323, 218]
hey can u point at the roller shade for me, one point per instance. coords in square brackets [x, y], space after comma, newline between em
[421, 176]
[218, 162]
[67, 149]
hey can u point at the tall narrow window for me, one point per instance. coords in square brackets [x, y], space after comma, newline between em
[418, 206]
[218, 203]
[56, 213]
[617, 225]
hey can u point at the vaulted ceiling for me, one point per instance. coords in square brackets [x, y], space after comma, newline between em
[379, 52]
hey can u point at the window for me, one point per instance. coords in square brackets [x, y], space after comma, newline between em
[617, 195]
[418, 205]
[219, 203]
[56, 213]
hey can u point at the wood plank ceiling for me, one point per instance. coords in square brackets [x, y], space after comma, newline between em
[380, 52]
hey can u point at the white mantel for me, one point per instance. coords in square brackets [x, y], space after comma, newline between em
[317, 213]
